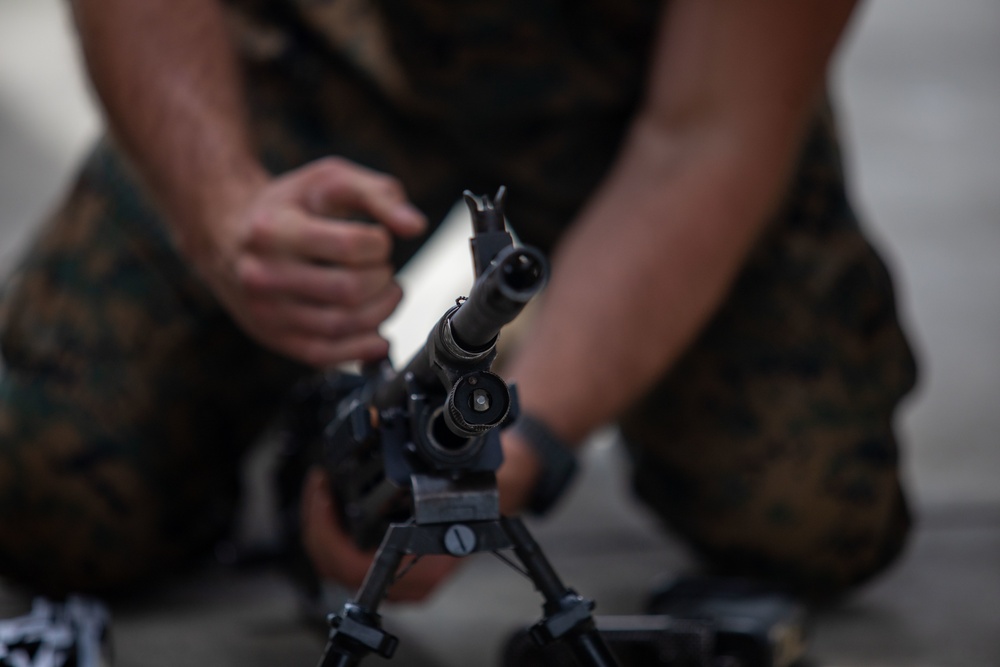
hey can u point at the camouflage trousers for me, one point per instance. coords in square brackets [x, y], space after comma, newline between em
[128, 396]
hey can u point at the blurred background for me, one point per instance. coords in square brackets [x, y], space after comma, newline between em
[917, 84]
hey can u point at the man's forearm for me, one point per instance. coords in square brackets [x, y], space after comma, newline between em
[168, 80]
[646, 266]
[733, 87]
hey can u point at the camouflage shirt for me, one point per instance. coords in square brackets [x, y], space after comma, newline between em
[482, 62]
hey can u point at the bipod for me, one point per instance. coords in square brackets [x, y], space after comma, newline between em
[459, 517]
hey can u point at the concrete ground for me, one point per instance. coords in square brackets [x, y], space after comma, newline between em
[918, 84]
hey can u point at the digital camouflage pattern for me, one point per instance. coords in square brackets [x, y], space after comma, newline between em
[129, 396]
[126, 398]
[770, 445]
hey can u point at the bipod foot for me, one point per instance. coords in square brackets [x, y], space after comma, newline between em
[357, 630]
[353, 635]
[568, 616]
[572, 613]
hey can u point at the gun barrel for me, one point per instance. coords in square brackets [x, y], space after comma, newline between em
[498, 296]
[470, 330]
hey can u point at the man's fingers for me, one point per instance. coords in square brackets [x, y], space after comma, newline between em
[340, 188]
[324, 212]
[336, 557]
[341, 242]
[322, 353]
[286, 230]
[330, 549]
[307, 319]
[398, 215]
[323, 285]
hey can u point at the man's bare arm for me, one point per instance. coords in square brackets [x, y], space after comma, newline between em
[732, 90]
[279, 254]
[168, 80]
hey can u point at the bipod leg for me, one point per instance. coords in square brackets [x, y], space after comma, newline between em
[357, 630]
[567, 615]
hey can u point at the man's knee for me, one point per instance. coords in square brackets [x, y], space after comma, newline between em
[79, 513]
[802, 530]
[819, 562]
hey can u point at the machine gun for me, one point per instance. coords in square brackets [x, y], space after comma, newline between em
[395, 433]
[412, 455]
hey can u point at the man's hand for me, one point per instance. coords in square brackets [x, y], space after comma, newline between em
[287, 258]
[300, 273]
[518, 476]
[336, 558]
